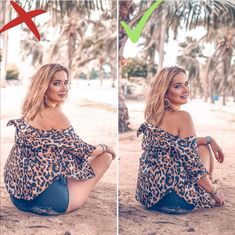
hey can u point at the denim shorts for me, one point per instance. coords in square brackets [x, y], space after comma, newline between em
[53, 201]
[171, 203]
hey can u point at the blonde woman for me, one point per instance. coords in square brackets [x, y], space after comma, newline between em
[176, 167]
[50, 170]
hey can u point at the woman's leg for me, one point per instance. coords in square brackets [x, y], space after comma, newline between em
[207, 158]
[80, 190]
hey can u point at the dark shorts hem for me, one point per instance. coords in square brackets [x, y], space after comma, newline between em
[53, 201]
[171, 203]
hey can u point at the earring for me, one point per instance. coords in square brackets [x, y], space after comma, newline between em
[166, 103]
[45, 100]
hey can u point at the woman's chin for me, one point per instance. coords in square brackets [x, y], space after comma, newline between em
[185, 101]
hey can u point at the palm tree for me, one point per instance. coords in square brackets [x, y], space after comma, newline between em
[126, 8]
[184, 14]
[188, 60]
[5, 18]
[60, 11]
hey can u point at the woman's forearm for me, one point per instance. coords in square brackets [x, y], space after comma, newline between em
[205, 183]
[201, 141]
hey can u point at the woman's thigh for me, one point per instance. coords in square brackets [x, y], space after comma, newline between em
[80, 190]
[207, 158]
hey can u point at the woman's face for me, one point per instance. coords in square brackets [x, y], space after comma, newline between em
[178, 90]
[58, 88]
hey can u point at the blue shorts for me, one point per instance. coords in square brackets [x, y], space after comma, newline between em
[171, 203]
[53, 201]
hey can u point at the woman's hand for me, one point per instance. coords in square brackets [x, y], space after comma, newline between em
[110, 150]
[102, 148]
[98, 151]
[219, 198]
[219, 155]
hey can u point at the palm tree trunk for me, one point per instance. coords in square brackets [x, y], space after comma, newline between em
[113, 74]
[226, 67]
[207, 77]
[101, 72]
[123, 120]
[6, 18]
[233, 94]
[162, 41]
[211, 87]
[150, 66]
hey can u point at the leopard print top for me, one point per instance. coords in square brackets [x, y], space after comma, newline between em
[40, 156]
[170, 163]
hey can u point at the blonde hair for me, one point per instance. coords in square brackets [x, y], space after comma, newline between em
[34, 101]
[155, 110]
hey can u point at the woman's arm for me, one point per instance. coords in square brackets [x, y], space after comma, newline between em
[187, 129]
[102, 148]
[205, 183]
[218, 153]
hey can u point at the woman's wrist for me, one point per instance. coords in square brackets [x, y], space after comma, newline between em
[213, 191]
[106, 149]
[208, 140]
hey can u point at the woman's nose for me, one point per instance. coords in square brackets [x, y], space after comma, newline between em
[186, 88]
[64, 87]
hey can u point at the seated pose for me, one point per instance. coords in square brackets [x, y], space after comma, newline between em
[50, 170]
[176, 167]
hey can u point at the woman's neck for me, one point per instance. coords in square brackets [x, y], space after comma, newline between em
[173, 107]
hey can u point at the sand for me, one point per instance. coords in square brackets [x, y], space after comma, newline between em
[214, 120]
[95, 123]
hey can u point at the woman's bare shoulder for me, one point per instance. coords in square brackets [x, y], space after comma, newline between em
[58, 119]
[183, 115]
[185, 123]
[52, 118]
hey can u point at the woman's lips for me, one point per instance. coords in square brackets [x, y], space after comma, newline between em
[62, 95]
[184, 96]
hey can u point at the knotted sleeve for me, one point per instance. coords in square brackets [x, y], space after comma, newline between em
[188, 153]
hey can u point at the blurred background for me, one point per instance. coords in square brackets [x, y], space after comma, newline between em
[198, 35]
[79, 34]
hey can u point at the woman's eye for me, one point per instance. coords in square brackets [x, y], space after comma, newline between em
[56, 83]
[177, 86]
[66, 83]
[186, 84]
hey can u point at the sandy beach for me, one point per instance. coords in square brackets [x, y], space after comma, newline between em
[95, 122]
[214, 120]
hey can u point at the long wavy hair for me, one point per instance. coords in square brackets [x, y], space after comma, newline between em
[155, 110]
[34, 101]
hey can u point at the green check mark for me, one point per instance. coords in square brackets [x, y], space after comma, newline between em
[134, 35]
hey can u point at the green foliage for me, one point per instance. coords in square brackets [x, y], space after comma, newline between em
[94, 74]
[134, 68]
[12, 72]
[82, 76]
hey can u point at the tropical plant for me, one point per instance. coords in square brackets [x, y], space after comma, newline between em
[71, 18]
[177, 15]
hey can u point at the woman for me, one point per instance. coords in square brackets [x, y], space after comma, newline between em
[176, 167]
[50, 170]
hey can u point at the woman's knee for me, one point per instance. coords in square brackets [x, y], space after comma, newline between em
[107, 158]
[206, 158]
[204, 150]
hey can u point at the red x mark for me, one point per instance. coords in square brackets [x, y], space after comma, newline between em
[24, 17]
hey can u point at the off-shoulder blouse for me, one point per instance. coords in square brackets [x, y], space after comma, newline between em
[168, 163]
[40, 156]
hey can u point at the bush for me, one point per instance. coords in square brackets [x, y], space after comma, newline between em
[12, 72]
